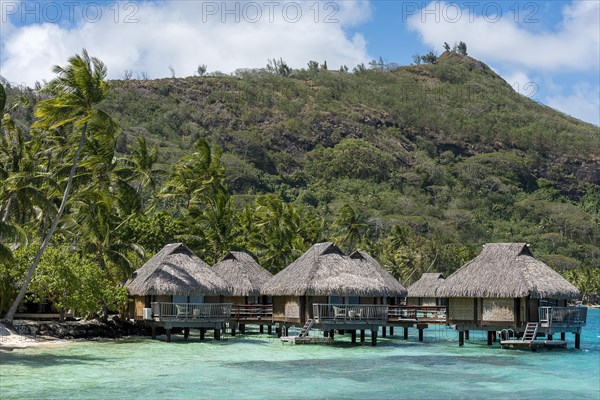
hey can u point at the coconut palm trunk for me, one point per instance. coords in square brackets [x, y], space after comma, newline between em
[10, 315]
[75, 92]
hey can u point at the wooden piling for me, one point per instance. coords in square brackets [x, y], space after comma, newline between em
[577, 341]
[261, 329]
[186, 333]
[383, 331]
[217, 334]
[563, 336]
[331, 334]
[421, 334]
[373, 337]
[391, 331]
[168, 335]
[353, 333]
[549, 336]
[466, 335]
[232, 330]
[362, 335]
[461, 338]
[242, 329]
[405, 332]
[153, 331]
[269, 329]
[489, 338]
[202, 333]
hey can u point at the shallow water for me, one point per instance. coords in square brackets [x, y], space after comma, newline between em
[260, 367]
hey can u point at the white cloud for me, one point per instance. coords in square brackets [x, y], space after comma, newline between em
[185, 34]
[583, 102]
[573, 45]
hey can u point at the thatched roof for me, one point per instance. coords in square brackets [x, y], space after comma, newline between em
[324, 270]
[242, 273]
[507, 270]
[176, 270]
[426, 286]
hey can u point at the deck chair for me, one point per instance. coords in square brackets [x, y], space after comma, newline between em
[339, 312]
[182, 311]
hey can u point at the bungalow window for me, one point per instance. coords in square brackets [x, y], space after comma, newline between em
[548, 303]
[344, 300]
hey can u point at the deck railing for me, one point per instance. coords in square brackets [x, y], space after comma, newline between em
[191, 311]
[563, 316]
[252, 312]
[418, 313]
[351, 313]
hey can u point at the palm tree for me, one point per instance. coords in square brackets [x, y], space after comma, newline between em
[349, 225]
[76, 91]
[197, 176]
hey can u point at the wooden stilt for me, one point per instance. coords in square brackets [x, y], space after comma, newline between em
[233, 330]
[353, 333]
[269, 329]
[563, 336]
[325, 333]
[341, 332]
[168, 335]
[421, 334]
[186, 333]
[362, 335]
[391, 331]
[494, 337]
[577, 341]
[217, 334]
[202, 333]
[405, 332]
[373, 337]
[242, 329]
[331, 334]
[549, 336]
[153, 332]
[261, 329]
[383, 331]
[461, 338]
[489, 338]
[466, 335]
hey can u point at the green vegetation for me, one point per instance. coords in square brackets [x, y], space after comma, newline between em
[417, 165]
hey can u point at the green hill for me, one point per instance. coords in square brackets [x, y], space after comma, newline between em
[433, 160]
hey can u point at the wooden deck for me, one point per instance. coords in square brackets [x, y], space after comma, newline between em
[400, 315]
[252, 313]
[190, 315]
[533, 345]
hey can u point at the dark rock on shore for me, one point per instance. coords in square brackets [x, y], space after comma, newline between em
[112, 328]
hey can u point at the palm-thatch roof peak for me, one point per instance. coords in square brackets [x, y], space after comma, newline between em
[176, 270]
[507, 270]
[243, 273]
[426, 286]
[325, 270]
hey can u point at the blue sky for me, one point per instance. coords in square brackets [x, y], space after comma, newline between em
[548, 50]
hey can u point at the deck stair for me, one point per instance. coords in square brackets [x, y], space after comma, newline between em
[306, 328]
[530, 331]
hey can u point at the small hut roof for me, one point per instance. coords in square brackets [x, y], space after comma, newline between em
[242, 273]
[507, 270]
[426, 286]
[176, 270]
[324, 270]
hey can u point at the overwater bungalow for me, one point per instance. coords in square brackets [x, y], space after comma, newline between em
[507, 288]
[423, 291]
[246, 277]
[327, 289]
[170, 289]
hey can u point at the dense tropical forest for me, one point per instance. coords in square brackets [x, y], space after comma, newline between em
[418, 165]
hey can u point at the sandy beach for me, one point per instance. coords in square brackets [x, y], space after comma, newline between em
[12, 340]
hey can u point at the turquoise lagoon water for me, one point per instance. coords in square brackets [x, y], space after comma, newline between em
[260, 367]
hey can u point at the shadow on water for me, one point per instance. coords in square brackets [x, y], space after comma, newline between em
[42, 360]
